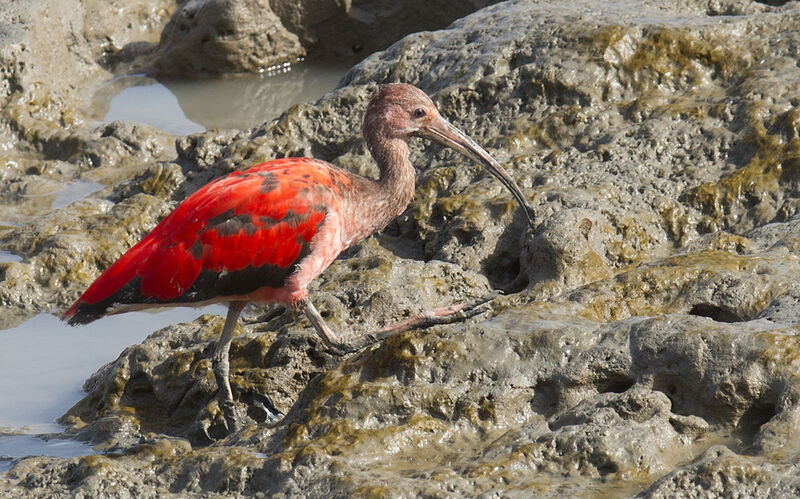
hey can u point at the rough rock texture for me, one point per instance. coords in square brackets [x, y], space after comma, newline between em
[336, 28]
[224, 36]
[647, 342]
[216, 37]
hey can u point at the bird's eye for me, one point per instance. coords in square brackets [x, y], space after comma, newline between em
[419, 113]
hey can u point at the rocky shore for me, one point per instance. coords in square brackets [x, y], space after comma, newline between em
[646, 342]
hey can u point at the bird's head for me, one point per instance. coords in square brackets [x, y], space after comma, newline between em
[401, 111]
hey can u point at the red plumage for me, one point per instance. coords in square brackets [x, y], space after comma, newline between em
[255, 225]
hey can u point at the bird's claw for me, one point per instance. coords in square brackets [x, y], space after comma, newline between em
[339, 350]
[479, 305]
[342, 349]
[233, 420]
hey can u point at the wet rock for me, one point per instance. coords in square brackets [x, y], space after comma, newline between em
[224, 36]
[501, 405]
[120, 29]
[151, 389]
[330, 28]
[38, 45]
[727, 286]
[722, 473]
[565, 252]
[63, 257]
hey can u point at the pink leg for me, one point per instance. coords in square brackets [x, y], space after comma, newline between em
[423, 320]
[330, 338]
[221, 366]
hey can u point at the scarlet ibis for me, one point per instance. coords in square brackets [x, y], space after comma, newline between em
[264, 233]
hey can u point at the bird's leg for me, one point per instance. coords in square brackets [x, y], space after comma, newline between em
[221, 365]
[426, 319]
[436, 316]
[423, 320]
[330, 338]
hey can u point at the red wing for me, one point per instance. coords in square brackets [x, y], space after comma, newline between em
[240, 232]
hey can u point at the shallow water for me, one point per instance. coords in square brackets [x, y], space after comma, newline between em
[74, 191]
[44, 362]
[16, 446]
[7, 256]
[182, 106]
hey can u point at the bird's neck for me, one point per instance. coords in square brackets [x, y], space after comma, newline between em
[376, 203]
[396, 180]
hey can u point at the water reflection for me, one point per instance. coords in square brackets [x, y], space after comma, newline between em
[182, 106]
[142, 100]
[74, 191]
[17, 446]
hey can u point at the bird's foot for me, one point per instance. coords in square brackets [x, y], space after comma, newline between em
[342, 349]
[233, 420]
[423, 320]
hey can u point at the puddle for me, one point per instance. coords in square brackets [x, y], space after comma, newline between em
[47, 194]
[44, 362]
[7, 256]
[74, 191]
[17, 446]
[144, 100]
[183, 106]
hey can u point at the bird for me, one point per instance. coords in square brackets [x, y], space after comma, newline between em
[264, 233]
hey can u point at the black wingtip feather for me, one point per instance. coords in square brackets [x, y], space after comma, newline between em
[83, 314]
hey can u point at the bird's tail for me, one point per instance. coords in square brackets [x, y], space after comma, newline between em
[83, 313]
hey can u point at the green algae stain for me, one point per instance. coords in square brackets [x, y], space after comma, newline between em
[252, 351]
[781, 351]
[554, 132]
[660, 70]
[659, 56]
[676, 53]
[462, 205]
[164, 449]
[96, 463]
[178, 364]
[661, 288]
[341, 437]
[756, 188]
[372, 492]
[162, 180]
[369, 385]
[692, 75]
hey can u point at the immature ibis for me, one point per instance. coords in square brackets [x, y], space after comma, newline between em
[264, 233]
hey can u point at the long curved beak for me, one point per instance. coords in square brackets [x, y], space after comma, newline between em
[446, 134]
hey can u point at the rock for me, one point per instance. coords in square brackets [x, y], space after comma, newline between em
[208, 37]
[721, 473]
[331, 28]
[565, 252]
[212, 37]
[37, 46]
